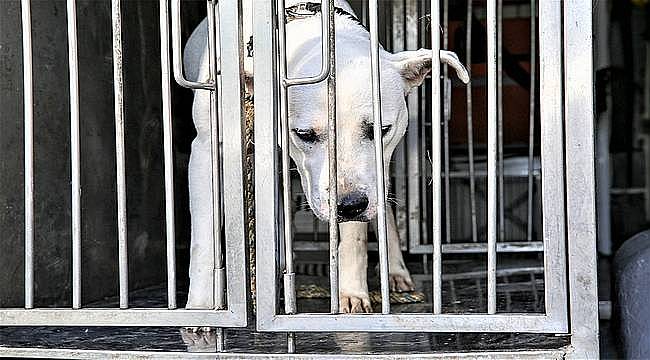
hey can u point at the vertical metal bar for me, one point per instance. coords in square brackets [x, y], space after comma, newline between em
[470, 127]
[531, 118]
[120, 168]
[500, 190]
[28, 109]
[435, 157]
[219, 278]
[552, 160]
[580, 177]
[289, 278]
[413, 136]
[364, 12]
[219, 271]
[423, 34]
[267, 198]
[231, 85]
[382, 239]
[332, 157]
[178, 53]
[168, 150]
[492, 90]
[74, 153]
[399, 158]
[447, 117]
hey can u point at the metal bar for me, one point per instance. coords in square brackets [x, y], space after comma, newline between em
[423, 35]
[399, 158]
[289, 277]
[414, 322]
[117, 317]
[470, 127]
[267, 183]
[492, 103]
[232, 93]
[435, 157]
[413, 136]
[120, 167]
[500, 190]
[74, 153]
[231, 88]
[325, 45]
[178, 52]
[580, 177]
[382, 238]
[28, 109]
[219, 278]
[552, 160]
[447, 117]
[168, 151]
[173, 355]
[453, 248]
[332, 157]
[531, 129]
[627, 191]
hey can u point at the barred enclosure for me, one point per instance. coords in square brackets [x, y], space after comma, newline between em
[493, 193]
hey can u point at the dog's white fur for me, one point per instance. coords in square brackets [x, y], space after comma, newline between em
[307, 106]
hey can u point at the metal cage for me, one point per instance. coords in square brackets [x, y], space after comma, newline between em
[565, 175]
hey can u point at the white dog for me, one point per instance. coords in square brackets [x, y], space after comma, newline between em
[400, 74]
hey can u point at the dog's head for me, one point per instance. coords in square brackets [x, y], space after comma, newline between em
[356, 169]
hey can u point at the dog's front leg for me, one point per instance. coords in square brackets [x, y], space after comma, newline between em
[200, 295]
[399, 276]
[353, 267]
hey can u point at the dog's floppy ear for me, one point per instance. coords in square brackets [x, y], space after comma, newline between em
[415, 65]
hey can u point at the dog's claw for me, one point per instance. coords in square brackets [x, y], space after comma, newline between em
[401, 283]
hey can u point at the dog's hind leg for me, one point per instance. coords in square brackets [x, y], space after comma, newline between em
[353, 267]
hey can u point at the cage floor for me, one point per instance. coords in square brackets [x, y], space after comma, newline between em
[520, 290]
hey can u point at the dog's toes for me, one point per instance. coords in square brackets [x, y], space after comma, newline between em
[344, 304]
[401, 283]
[392, 283]
[367, 307]
[355, 304]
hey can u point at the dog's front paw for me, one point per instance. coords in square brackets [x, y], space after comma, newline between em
[357, 303]
[198, 339]
[401, 281]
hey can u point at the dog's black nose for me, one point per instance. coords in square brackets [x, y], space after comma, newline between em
[352, 205]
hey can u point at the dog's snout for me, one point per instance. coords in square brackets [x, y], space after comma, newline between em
[351, 206]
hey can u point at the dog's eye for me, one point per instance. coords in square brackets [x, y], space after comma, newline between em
[306, 135]
[369, 131]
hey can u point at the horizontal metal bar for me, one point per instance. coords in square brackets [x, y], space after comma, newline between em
[459, 248]
[627, 191]
[154, 355]
[502, 322]
[119, 317]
